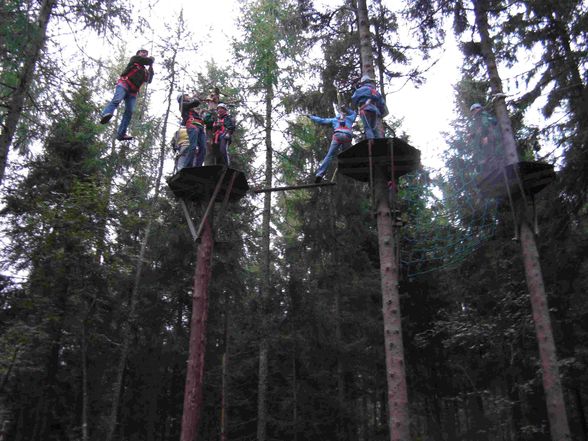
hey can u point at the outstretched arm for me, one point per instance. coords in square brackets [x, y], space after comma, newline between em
[319, 120]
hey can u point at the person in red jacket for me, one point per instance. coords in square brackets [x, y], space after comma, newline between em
[222, 128]
[138, 71]
[195, 127]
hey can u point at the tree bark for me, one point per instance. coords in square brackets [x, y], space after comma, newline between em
[16, 101]
[398, 413]
[365, 40]
[225, 377]
[84, 361]
[551, 380]
[195, 371]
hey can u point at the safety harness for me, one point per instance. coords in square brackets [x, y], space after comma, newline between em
[132, 78]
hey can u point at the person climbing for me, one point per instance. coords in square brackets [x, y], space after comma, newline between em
[194, 123]
[222, 129]
[342, 136]
[138, 71]
[372, 107]
[485, 138]
[180, 144]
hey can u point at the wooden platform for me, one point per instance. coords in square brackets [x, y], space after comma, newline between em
[198, 183]
[534, 177]
[355, 162]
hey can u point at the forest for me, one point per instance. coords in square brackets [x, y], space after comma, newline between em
[467, 320]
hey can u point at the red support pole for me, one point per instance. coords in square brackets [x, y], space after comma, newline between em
[195, 370]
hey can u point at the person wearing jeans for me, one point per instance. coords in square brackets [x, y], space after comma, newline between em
[131, 79]
[341, 140]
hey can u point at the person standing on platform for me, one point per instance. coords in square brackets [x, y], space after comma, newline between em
[485, 137]
[342, 136]
[180, 143]
[222, 129]
[194, 123]
[372, 107]
[138, 71]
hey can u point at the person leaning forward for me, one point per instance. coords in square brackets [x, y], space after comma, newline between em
[342, 136]
[139, 70]
[371, 106]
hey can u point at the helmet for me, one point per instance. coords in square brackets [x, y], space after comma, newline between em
[475, 106]
[221, 105]
[365, 78]
[142, 50]
[180, 97]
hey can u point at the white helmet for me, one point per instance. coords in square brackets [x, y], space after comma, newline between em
[223, 105]
[365, 78]
[475, 106]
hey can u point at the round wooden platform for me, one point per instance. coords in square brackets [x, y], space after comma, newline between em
[355, 161]
[534, 177]
[198, 183]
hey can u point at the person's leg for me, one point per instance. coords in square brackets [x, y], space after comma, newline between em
[119, 95]
[224, 150]
[334, 147]
[130, 101]
[378, 126]
[201, 143]
[367, 130]
[188, 159]
[369, 121]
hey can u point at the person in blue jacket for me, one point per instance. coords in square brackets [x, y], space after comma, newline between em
[342, 136]
[372, 107]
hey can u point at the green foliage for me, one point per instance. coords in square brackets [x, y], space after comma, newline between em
[269, 28]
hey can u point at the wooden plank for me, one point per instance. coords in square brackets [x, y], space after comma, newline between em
[292, 187]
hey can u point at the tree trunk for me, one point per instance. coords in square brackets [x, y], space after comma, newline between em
[398, 414]
[295, 395]
[195, 371]
[16, 101]
[262, 391]
[581, 414]
[84, 361]
[265, 272]
[365, 40]
[551, 380]
[225, 377]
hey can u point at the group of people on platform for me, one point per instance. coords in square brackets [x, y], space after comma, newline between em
[214, 123]
[199, 125]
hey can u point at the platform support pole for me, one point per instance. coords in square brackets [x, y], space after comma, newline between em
[398, 412]
[195, 370]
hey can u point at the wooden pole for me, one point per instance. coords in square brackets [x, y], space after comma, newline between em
[195, 369]
[398, 412]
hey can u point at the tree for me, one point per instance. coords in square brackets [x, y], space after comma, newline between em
[267, 41]
[54, 213]
[97, 15]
